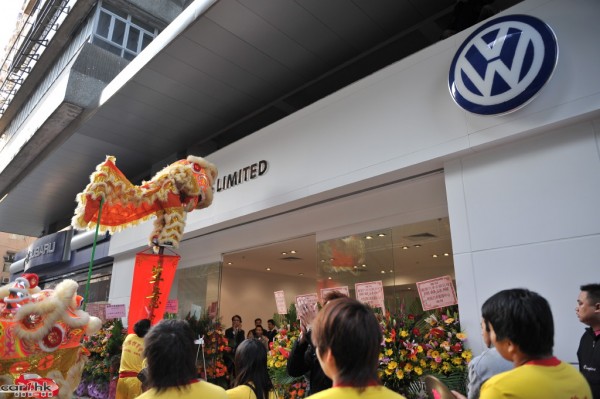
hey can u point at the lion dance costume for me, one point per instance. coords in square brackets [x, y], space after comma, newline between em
[41, 333]
[177, 189]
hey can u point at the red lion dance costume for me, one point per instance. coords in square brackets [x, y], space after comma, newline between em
[177, 189]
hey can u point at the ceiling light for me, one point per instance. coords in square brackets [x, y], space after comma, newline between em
[363, 265]
[446, 254]
[355, 267]
[391, 271]
[322, 260]
[329, 278]
[268, 269]
[293, 251]
[230, 263]
[300, 274]
[284, 253]
[380, 235]
[383, 272]
[434, 256]
[418, 246]
[405, 247]
[369, 237]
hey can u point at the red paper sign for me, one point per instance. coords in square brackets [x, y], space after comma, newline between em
[172, 306]
[114, 311]
[152, 278]
[437, 293]
[280, 302]
[370, 293]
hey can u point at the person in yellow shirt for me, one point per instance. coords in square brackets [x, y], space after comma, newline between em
[128, 386]
[348, 340]
[252, 376]
[522, 330]
[171, 356]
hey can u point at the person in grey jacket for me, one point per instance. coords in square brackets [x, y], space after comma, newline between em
[486, 365]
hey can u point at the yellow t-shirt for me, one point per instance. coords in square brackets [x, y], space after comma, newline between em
[373, 392]
[132, 354]
[244, 392]
[532, 381]
[195, 390]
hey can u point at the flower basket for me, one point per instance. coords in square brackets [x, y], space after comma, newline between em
[415, 345]
[285, 386]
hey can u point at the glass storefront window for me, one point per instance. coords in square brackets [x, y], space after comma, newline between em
[399, 257]
[197, 290]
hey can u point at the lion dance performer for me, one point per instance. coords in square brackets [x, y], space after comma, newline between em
[179, 188]
[40, 337]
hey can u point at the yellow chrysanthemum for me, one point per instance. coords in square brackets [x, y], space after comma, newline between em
[457, 360]
[423, 363]
[467, 355]
[418, 370]
[388, 340]
[435, 354]
[278, 364]
[388, 372]
[392, 365]
[419, 349]
[444, 355]
[461, 336]
[389, 352]
[408, 367]
[449, 320]
[433, 365]
[446, 367]
[399, 374]
[404, 333]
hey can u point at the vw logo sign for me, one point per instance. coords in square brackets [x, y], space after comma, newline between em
[503, 64]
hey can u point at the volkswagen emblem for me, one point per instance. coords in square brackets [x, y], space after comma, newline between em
[503, 64]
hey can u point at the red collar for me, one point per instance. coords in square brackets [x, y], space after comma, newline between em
[551, 361]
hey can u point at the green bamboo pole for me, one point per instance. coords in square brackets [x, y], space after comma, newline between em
[89, 277]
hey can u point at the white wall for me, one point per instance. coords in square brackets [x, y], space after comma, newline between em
[526, 215]
[395, 123]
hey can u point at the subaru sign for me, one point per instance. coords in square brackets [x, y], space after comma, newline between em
[503, 64]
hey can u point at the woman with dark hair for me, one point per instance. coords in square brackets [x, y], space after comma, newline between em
[348, 338]
[252, 377]
[171, 358]
[128, 386]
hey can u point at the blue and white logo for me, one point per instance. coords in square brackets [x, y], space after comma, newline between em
[503, 64]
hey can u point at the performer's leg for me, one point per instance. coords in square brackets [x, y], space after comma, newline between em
[173, 229]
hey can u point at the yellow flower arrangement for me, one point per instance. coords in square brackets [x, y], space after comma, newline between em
[414, 345]
[286, 387]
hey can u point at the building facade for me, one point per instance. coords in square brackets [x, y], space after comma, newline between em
[519, 189]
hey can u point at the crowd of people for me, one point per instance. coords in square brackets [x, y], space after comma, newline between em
[339, 346]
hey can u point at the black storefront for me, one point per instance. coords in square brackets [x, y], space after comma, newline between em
[66, 255]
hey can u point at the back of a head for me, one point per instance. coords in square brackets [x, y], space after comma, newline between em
[524, 317]
[170, 352]
[351, 331]
[141, 327]
[331, 295]
[251, 366]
